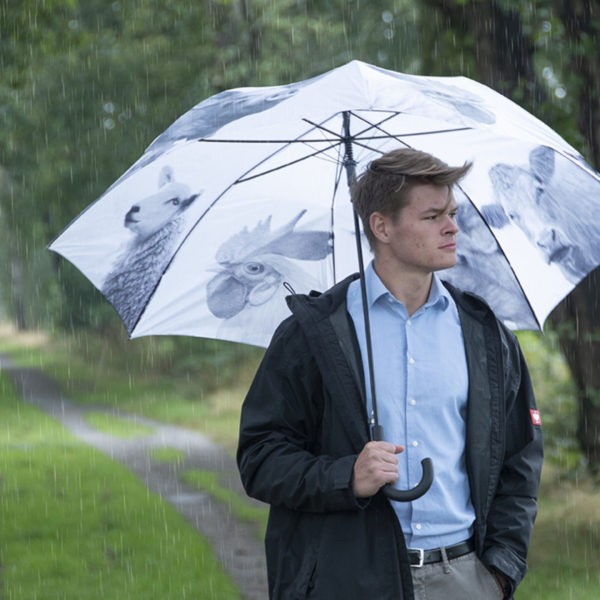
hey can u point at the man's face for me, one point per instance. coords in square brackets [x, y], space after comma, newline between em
[422, 236]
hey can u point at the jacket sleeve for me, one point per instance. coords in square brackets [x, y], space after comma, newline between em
[280, 429]
[514, 505]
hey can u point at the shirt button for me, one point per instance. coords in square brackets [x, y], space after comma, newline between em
[412, 402]
[419, 526]
[415, 444]
[411, 361]
[409, 322]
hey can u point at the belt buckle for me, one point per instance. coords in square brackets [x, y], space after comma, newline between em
[421, 552]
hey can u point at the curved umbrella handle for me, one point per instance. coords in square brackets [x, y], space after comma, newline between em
[421, 488]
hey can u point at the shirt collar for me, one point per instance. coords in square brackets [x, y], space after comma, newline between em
[439, 296]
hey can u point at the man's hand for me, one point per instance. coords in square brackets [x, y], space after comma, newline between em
[501, 581]
[376, 465]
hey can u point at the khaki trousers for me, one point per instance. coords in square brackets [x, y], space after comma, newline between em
[462, 578]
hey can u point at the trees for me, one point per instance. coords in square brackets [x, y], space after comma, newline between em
[580, 338]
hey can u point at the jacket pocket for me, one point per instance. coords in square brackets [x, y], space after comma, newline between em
[305, 581]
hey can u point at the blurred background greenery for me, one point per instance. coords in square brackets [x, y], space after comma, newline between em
[86, 86]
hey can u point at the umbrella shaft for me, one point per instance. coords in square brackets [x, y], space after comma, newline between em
[363, 291]
[350, 166]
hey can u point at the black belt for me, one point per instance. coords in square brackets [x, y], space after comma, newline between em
[419, 557]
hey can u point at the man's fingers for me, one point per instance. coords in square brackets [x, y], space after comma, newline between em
[383, 451]
[376, 465]
[384, 447]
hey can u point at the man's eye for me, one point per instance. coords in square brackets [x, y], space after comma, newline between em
[174, 201]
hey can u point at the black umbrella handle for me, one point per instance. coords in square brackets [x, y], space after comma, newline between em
[421, 488]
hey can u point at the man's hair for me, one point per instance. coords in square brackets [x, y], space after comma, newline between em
[386, 184]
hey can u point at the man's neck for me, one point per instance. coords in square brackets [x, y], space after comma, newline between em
[409, 287]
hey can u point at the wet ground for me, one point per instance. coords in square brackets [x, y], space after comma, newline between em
[235, 544]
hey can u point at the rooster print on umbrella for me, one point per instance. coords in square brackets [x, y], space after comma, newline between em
[254, 265]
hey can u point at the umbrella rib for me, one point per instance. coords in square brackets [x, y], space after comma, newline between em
[386, 134]
[416, 133]
[294, 141]
[370, 125]
[504, 254]
[375, 125]
[334, 140]
[338, 176]
[293, 162]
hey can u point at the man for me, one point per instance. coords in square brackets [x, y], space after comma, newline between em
[451, 384]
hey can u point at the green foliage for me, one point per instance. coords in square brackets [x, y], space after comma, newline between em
[74, 524]
[551, 91]
[556, 396]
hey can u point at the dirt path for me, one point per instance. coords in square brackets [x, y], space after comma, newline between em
[234, 543]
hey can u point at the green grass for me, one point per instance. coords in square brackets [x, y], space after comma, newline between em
[74, 524]
[117, 426]
[167, 455]
[201, 387]
[240, 508]
[564, 557]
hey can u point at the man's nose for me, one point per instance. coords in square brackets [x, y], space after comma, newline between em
[450, 225]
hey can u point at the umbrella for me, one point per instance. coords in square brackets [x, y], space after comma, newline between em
[242, 199]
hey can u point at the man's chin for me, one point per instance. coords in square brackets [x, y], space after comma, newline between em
[447, 264]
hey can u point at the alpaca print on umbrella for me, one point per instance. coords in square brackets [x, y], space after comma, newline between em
[156, 222]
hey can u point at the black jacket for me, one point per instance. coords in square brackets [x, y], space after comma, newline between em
[304, 422]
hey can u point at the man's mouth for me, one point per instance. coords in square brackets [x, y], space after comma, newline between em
[449, 246]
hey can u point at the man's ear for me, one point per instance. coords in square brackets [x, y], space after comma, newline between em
[379, 226]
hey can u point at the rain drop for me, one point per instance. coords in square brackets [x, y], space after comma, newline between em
[109, 123]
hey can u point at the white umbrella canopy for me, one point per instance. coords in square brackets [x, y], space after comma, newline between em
[244, 197]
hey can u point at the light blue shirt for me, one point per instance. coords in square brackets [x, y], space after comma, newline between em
[421, 382]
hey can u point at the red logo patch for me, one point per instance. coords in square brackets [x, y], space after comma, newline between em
[536, 419]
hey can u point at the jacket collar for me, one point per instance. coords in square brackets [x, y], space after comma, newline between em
[325, 303]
